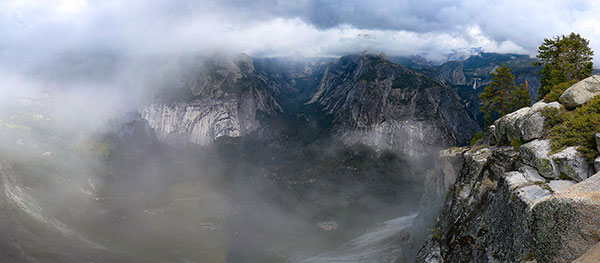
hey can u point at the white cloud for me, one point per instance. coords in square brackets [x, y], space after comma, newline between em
[36, 30]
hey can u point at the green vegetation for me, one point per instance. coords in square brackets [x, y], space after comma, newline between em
[553, 117]
[555, 91]
[518, 98]
[403, 81]
[478, 147]
[489, 185]
[477, 138]
[502, 96]
[546, 187]
[575, 128]
[516, 143]
[563, 176]
[565, 58]
[528, 256]
[436, 234]
[399, 84]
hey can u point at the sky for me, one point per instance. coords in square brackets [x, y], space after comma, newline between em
[34, 30]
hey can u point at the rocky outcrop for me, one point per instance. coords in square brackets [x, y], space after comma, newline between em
[572, 164]
[506, 127]
[566, 225]
[376, 102]
[226, 97]
[537, 154]
[486, 202]
[525, 124]
[591, 256]
[568, 163]
[522, 202]
[489, 136]
[558, 186]
[581, 92]
[502, 210]
[510, 205]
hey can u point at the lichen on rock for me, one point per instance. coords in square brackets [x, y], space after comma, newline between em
[501, 209]
[537, 154]
[525, 124]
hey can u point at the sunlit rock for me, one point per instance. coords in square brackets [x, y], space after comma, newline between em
[558, 186]
[581, 92]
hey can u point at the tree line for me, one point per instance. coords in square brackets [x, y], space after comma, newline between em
[565, 60]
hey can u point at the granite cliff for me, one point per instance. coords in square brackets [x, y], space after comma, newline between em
[215, 96]
[519, 203]
[376, 102]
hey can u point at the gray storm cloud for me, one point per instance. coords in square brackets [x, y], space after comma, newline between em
[34, 30]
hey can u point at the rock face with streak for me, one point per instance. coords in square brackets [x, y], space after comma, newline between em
[376, 102]
[200, 122]
[226, 97]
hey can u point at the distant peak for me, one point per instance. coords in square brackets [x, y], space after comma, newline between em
[369, 56]
[363, 57]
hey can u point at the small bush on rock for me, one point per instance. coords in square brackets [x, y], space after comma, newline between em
[516, 143]
[553, 117]
[577, 128]
[489, 185]
[477, 138]
[557, 90]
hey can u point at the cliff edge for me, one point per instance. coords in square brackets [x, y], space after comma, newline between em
[516, 196]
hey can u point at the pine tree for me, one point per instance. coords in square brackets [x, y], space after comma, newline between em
[518, 98]
[565, 58]
[502, 96]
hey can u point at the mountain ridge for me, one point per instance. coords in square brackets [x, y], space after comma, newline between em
[388, 107]
[377, 102]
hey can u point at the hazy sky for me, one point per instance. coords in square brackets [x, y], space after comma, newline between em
[36, 29]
